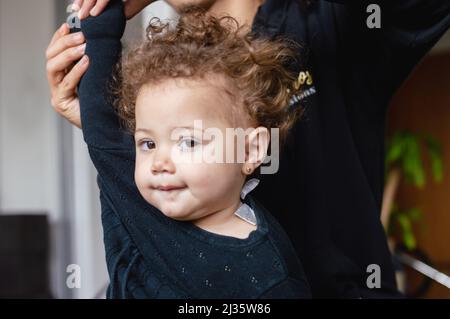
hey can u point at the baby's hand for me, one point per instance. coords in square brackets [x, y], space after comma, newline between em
[95, 7]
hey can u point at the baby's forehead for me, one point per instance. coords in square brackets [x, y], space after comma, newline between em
[196, 99]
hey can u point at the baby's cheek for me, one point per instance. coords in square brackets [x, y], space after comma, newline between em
[140, 177]
[208, 180]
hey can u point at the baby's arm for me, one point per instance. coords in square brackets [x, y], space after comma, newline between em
[100, 123]
[110, 148]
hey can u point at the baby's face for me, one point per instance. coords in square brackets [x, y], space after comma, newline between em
[171, 171]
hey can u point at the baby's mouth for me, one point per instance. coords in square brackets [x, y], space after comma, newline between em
[168, 188]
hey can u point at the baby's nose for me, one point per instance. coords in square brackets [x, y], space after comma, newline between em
[162, 163]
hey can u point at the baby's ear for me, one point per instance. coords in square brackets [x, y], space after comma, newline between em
[257, 145]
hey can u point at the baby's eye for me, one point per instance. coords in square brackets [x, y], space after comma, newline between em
[147, 145]
[188, 144]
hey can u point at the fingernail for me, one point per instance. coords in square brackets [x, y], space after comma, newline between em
[84, 60]
[93, 12]
[61, 28]
[75, 7]
[81, 48]
[78, 36]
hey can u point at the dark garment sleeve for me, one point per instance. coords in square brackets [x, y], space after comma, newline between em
[100, 124]
[385, 56]
[111, 149]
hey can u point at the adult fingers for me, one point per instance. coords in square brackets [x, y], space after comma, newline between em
[63, 43]
[71, 80]
[62, 61]
[85, 8]
[99, 7]
[62, 31]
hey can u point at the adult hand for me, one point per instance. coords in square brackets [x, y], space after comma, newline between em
[95, 7]
[64, 73]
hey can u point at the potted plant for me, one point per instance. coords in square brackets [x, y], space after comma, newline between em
[404, 163]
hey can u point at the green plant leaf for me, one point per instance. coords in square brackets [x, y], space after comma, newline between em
[412, 162]
[414, 214]
[395, 149]
[435, 154]
[407, 232]
[404, 152]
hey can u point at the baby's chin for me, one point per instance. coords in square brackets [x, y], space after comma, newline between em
[175, 213]
[173, 210]
[169, 206]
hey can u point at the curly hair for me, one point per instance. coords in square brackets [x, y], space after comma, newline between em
[202, 45]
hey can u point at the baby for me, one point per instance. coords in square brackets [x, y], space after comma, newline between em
[204, 73]
[200, 102]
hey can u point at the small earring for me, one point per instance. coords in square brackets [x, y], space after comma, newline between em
[249, 170]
